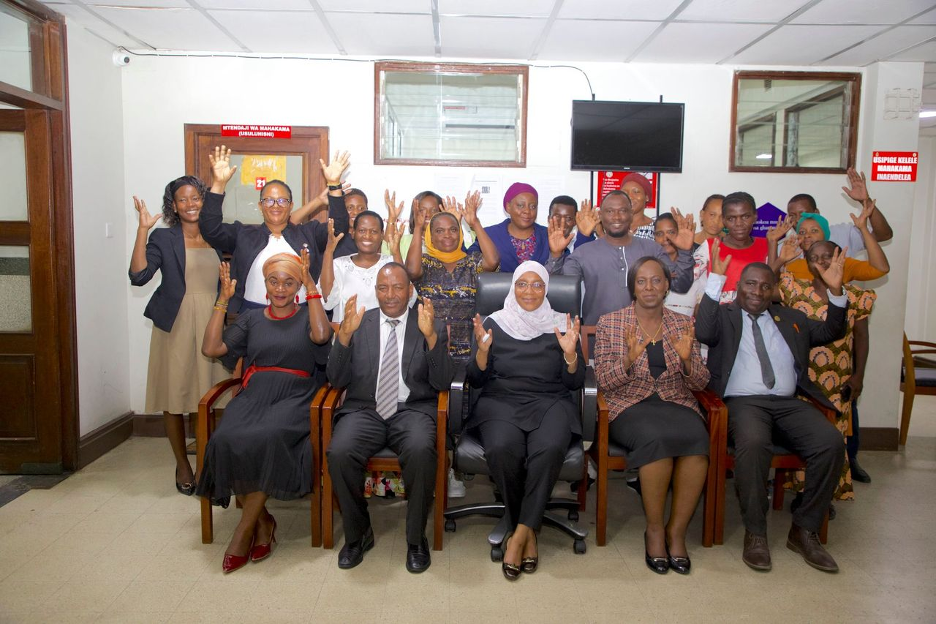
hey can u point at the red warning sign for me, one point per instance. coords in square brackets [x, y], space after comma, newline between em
[266, 132]
[611, 181]
[260, 183]
[894, 167]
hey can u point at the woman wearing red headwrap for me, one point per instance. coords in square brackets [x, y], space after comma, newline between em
[639, 190]
[519, 238]
[261, 447]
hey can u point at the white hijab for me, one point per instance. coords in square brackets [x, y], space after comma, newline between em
[521, 324]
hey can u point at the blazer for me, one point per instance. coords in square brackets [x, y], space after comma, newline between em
[426, 371]
[165, 251]
[719, 326]
[624, 388]
[508, 255]
[245, 242]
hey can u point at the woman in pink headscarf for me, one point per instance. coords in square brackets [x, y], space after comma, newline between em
[519, 238]
[526, 362]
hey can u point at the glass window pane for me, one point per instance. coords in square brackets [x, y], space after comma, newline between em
[13, 176]
[253, 171]
[15, 63]
[15, 295]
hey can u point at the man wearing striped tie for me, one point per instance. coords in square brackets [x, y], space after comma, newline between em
[393, 361]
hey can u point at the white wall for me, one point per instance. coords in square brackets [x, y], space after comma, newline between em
[921, 299]
[101, 284]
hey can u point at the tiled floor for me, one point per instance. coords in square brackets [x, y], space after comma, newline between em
[116, 543]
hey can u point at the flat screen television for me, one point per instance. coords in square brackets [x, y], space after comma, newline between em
[627, 136]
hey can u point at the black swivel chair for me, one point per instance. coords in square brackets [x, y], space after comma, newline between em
[565, 295]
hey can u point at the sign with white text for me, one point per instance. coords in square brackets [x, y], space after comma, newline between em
[894, 167]
[611, 181]
[263, 132]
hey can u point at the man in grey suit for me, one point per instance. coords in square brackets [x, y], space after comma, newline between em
[759, 360]
[393, 361]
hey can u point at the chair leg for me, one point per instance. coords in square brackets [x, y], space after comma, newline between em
[909, 395]
[441, 494]
[582, 493]
[779, 478]
[718, 520]
[601, 502]
[328, 510]
[316, 503]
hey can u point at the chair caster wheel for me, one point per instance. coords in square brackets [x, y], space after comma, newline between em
[573, 515]
[497, 554]
[449, 525]
[579, 547]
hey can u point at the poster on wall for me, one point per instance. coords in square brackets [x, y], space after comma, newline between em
[894, 167]
[767, 216]
[611, 181]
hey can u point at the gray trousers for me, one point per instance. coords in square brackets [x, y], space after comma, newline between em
[755, 424]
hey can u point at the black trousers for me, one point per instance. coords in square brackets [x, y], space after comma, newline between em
[755, 423]
[356, 438]
[525, 465]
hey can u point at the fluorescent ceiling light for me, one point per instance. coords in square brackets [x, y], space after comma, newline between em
[764, 156]
[927, 114]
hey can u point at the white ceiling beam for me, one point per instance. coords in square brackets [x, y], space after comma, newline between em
[110, 23]
[658, 30]
[786, 20]
[328, 27]
[888, 29]
[218, 25]
[538, 46]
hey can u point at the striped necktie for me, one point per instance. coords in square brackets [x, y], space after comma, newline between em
[388, 382]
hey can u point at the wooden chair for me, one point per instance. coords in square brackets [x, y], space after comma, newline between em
[917, 376]
[385, 460]
[608, 456]
[783, 461]
[207, 417]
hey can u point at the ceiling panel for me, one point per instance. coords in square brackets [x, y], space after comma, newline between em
[862, 11]
[621, 9]
[709, 43]
[172, 30]
[529, 8]
[803, 45]
[267, 5]
[384, 35]
[740, 10]
[592, 40]
[884, 45]
[139, 3]
[490, 37]
[926, 18]
[299, 32]
[925, 53]
[76, 15]
[376, 6]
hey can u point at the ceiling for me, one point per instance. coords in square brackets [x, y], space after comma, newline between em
[735, 32]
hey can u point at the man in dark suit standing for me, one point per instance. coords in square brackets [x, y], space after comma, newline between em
[393, 361]
[759, 360]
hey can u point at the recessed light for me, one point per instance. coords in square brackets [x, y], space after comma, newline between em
[927, 114]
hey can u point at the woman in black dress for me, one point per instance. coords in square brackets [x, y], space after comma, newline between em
[527, 362]
[261, 448]
[647, 363]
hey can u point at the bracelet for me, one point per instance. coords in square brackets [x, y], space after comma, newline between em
[221, 304]
[315, 296]
[568, 363]
[221, 308]
[334, 187]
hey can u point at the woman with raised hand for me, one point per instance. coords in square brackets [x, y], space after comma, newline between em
[178, 375]
[519, 237]
[261, 447]
[526, 364]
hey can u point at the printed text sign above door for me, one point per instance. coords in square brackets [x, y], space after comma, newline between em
[264, 132]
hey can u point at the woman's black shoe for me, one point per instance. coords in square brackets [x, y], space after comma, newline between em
[660, 565]
[528, 565]
[680, 565]
[184, 488]
[511, 571]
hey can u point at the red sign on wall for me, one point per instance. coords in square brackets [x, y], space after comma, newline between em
[264, 132]
[260, 183]
[611, 181]
[894, 167]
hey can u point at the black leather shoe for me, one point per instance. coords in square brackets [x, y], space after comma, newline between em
[679, 565]
[417, 557]
[857, 472]
[660, 565]
[352, 554]
[807, 544]
[756, 552]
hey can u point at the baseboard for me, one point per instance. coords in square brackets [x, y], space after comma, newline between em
[104, 439]
[879, 438]
[151, 425]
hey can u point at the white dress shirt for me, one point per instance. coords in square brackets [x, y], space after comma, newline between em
[255, 288]
[400, 329]
[350, 279]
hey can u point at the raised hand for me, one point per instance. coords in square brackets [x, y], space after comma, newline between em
[322, 197]
[227, 284]
[683, 344]
[483, 338]
[221, 169]
[147, 221]
[333, 239]
[473, 202]
[419, 217]
[336, 168]
[586, 219]
[861, 220]
[393, 235]
[393, 210]
[857, 187]
[426, 317]
[834, 275]
[307, 280]
[718, 265]
[558, 241]
[568, 340]
[685, 233]
[790, 249]
[784, 225]
[351, 321]
[451, 206]
[635, 345]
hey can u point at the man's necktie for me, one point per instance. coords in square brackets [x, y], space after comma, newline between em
[762, 355]
[388, 382]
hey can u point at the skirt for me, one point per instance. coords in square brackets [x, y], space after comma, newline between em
[655, 429]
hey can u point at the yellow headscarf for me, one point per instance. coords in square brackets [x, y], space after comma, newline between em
[444, 256]
[285, 262]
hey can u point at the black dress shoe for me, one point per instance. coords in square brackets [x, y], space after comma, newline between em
[417, 557]
[857, 472]
[353, 554]
[680, 565]
[660, 565]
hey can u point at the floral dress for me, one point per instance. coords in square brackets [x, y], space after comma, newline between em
[830, 366]
[453, 297]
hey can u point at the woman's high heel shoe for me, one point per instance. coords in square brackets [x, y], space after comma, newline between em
[511, 571]
[660, 565]
[262, 551]
[680, 565]
[232, 563]
[528, 565]
[184, 488]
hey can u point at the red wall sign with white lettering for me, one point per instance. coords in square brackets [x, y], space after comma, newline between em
[611, 181]
[894, 167]
[265, 132]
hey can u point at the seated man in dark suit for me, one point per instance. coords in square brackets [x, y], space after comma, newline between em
[393, 360]
[758, 363]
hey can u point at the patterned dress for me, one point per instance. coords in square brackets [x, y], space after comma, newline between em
[830, 366]
[453, 297]
[524, 248]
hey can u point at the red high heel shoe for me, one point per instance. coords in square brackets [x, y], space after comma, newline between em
[262, 551]
[233, 563]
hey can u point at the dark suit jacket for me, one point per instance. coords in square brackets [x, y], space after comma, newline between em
[719, 326]
[355, 367]
[244, 242]
[165, 251]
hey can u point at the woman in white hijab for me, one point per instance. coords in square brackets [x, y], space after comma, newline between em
[527, 362]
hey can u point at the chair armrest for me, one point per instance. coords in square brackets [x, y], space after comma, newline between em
[456, 399]
[716, 421]
[442, 421]
[216, 392]
[922, 343]
[590, 405]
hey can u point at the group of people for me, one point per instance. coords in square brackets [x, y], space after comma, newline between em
[774, 325]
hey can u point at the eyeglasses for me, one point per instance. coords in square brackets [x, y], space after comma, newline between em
[534, 285]
[282, 202]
